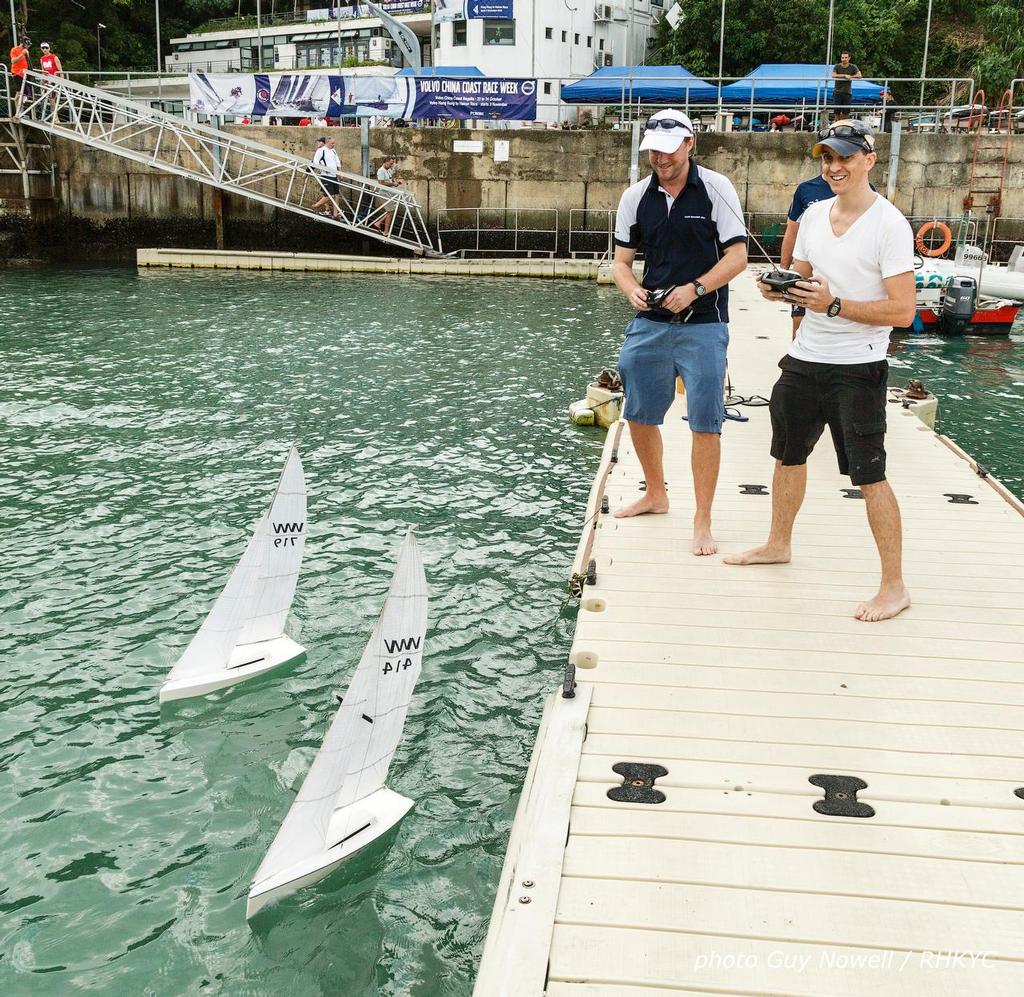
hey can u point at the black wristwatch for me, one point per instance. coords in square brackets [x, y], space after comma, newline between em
[700, 288]
[834, 308]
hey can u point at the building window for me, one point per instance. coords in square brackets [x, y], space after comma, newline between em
[565, 36]
[499, 32]
[458, 33]
[547, 89]
[590, 41]
[600, 44]
[549, 34]
[437, 36]
[576, 39]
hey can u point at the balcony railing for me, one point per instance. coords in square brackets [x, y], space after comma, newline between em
[293, 18]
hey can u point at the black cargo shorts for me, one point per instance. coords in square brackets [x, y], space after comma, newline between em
[849, 398]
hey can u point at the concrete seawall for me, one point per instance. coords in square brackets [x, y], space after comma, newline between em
[109, 205]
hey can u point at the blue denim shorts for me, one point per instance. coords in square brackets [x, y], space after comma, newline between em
[651, 356]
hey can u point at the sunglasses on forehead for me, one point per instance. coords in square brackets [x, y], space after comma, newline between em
[667, 123]
[848, 131]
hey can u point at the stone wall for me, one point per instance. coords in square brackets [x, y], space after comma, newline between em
[109, 203]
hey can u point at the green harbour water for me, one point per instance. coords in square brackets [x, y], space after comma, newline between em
[144, 419]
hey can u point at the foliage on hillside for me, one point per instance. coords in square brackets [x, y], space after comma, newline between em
[982, 39]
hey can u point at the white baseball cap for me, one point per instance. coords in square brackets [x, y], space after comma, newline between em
[669, 136]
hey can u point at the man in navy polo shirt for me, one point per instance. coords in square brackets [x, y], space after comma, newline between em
[688, 222]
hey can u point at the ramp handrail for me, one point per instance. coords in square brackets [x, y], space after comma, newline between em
[228, 162]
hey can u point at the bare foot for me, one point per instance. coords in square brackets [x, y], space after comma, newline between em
[888, 603]
[703, 542]
[643, 507]
[768, 554]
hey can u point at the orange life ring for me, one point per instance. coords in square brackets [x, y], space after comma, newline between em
[922, 246]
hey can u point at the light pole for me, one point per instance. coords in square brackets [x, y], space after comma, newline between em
[924, 61]
[259, 37]
[99, 53]
[14, 27]
[159, 68]
[828, 46]
[721, 54]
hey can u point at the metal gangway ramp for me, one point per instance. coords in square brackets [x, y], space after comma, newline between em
[101, 120]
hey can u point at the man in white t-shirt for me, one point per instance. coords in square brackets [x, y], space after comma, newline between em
[326, 160]
[856, 251]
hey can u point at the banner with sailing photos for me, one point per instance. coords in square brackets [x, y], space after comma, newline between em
[301, 95]
[323, 95]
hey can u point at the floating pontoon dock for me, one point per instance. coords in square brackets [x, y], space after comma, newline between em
[755, 862]
[231, 259]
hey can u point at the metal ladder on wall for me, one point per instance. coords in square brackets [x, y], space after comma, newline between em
[226, 162]
[991, 153]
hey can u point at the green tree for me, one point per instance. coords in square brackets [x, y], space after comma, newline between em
[983, 39]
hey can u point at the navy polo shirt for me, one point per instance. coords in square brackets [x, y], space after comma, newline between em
[682, 238]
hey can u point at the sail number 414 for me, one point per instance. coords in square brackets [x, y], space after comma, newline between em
[405, 644]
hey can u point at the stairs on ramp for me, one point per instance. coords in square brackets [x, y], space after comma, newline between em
[235, 165]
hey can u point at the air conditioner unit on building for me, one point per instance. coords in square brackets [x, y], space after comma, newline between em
[380, 48]
[609, 59]
[603, 12]
[619, 14]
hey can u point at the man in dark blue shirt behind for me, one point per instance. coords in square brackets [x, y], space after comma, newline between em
[688, 222]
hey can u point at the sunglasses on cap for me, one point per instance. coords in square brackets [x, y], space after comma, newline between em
[667, 123]
[849, 132]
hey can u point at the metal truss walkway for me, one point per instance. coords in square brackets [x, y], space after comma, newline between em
[229, 163]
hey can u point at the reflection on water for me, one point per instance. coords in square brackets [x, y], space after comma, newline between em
[979, 381]
[144, 419]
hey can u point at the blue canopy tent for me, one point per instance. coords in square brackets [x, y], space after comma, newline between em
[794, 84]
[640, 84]
[441, 71]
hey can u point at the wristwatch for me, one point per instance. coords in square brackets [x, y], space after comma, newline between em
[834, 308]
[700, 288]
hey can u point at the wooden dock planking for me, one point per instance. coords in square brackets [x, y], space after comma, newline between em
[744, 682]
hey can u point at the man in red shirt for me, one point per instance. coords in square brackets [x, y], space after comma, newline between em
[19, 66]
[49, 63]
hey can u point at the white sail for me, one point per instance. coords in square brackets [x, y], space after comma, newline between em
[353, 761]
[281, 558]
[243, 635]
[217, 637]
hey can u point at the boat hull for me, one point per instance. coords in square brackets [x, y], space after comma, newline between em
[987, 321]
[382, 810]
[246, 662]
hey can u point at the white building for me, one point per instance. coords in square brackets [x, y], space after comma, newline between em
[305, 40]
[551, 40]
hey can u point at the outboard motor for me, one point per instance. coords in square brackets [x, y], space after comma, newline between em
[959, 303]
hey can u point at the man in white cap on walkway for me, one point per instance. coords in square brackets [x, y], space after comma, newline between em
[688, 221]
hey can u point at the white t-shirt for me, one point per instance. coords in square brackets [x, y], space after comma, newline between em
[879, 244]
[328, 159]
[385, 176]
